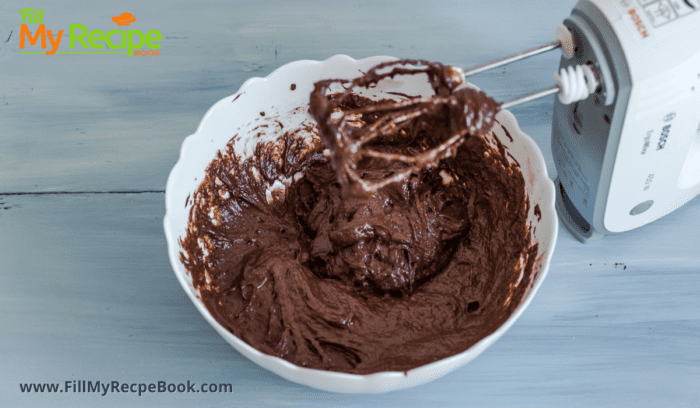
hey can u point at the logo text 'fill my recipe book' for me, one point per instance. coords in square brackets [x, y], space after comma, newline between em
[122, 40]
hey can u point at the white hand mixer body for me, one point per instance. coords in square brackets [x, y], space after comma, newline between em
[626, 124]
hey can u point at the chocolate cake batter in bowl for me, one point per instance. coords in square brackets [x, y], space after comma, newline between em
[390, 274]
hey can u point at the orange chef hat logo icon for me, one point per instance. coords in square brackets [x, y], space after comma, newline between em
[124, 19]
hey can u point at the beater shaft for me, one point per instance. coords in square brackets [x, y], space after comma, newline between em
[517, 57]
[573, 84]
[529, 97]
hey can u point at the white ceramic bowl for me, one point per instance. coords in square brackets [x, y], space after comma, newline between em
[274, 96]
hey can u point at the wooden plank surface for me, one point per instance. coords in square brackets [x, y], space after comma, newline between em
[87, 291]
[88, 294]
[116, 122]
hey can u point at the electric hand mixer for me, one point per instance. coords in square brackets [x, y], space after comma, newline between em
[626, 124]
[630, 153]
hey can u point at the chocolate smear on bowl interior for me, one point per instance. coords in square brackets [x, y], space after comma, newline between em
[344, 271]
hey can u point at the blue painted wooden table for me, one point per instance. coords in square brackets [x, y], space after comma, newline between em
[86, 144]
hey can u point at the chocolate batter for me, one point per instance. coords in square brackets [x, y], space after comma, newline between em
[419, 270]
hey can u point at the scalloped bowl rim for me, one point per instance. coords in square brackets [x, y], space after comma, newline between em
[335, 381]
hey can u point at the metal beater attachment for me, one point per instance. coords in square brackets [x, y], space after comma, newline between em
[573, 84]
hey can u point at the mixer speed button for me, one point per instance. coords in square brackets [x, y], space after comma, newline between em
[641, 207]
